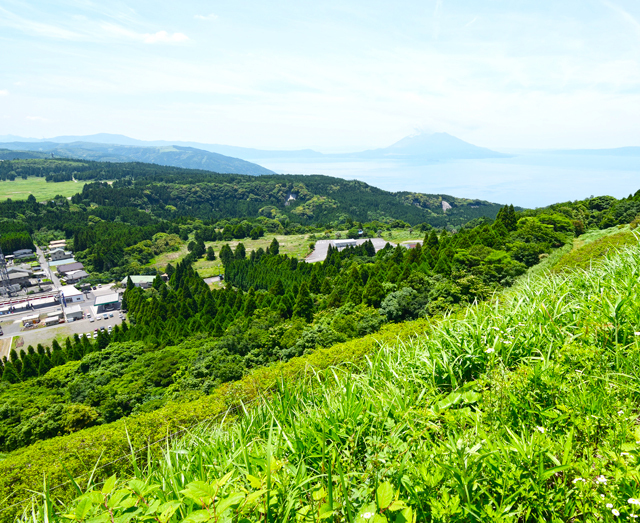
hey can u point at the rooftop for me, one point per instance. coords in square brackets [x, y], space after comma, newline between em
[70, 291]
[72, 309]
[140, 279]
[107, 298]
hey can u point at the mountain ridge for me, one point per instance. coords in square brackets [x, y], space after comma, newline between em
[422, 146]
[168, 155]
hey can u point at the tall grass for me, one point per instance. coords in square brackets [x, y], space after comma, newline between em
[525, 409]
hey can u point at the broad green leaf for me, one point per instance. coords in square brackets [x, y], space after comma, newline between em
[199, 516]
[232, 499]
[325, 511]
[397, 505]
[109, 484]
[405, 516]
[115, 500]
[384, 495]
[167, 510]
[223, 480]
[319, 494]
[255, 482]
[153, 507]
[254, 496]
[380, 518]
[83, 508]
[200, 492]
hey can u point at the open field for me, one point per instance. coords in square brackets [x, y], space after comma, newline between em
[294, 245]
[20, 189]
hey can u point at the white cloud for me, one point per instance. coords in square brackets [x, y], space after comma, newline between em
[209, 17]
[147, 38]
[4, 92]
[8, 19]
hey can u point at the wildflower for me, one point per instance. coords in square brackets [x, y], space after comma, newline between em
[609, 505]
[615, 512]
[633, 501]
[490, 350]
[541, 429]
[601, 479]
[602, 496]
[624, 454]
[620, 412]
[634, 516]
[577, 479]
[637, 333]
[367, 515]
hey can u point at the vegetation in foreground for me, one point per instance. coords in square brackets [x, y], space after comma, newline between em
[522, 410]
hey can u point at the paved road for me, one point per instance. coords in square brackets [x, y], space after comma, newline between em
[322, 247]
[47, 269]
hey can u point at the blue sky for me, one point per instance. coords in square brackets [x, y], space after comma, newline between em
[332, 75]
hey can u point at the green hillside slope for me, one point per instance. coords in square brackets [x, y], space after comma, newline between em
[522, 409]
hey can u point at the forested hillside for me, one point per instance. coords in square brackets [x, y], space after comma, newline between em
[185, 340]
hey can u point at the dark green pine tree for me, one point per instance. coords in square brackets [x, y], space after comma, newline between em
[44, 366]
[278, 288]
[10, 375]
[303, 307]
[249, 303]
[373, 293]
[314, 284]
[58, 357]
[169, 270]
[274, 248]
[442, 267]
[240, 252]
[15, 359]
[226, 254]
[211, 255]
[29, 369]
[431, 240]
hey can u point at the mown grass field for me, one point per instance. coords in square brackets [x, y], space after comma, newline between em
[294, 245]
[20, 189]
[521, 409]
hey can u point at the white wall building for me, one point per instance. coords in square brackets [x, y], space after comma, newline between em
[72, 295]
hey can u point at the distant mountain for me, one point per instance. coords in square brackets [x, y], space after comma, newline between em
[420, 147]
[172, 155]
[246, 153]
[429, 147]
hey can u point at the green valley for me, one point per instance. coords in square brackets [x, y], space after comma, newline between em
[485, 371]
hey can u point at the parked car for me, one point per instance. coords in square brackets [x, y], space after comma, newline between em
[90, 319]
[95, 335]
[111, 315]
[106, 316]
[98, 317]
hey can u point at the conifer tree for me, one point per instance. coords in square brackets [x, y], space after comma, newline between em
[303, 307]
[211, 255]
[29, 369]
[226, 254]
[240, 252]
[373, 293]
[15, 360]
[10, 375]
[44, 366]
[274, 248]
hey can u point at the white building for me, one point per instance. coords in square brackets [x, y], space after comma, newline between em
[74, 313]
[60, 254]
[343, 244]
[72, 295]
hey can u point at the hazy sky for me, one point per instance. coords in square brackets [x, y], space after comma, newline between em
[324, 74]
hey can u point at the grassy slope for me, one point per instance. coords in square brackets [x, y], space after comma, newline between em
[520, 411]
[553, 321]
[20, 189]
